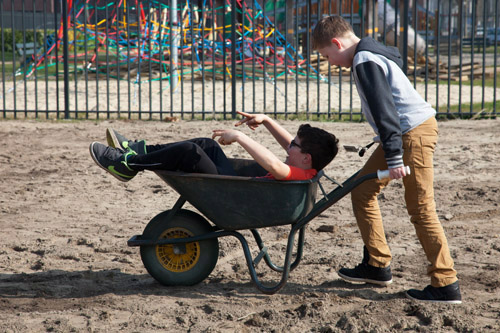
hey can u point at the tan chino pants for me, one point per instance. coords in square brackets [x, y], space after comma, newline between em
[418, 145]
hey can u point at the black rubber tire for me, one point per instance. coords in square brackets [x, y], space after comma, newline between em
[174, 269]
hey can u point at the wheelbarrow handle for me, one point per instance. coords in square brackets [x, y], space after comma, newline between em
[383, 174]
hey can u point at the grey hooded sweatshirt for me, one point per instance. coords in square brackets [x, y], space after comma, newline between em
[388, 100]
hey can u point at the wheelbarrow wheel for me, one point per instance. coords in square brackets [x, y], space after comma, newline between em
[179, 264]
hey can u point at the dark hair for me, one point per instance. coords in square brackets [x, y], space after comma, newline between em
[321, 145]
[327, 28]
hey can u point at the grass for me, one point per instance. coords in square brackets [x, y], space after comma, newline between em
[490, 82]
[477, 111]
[467, 50]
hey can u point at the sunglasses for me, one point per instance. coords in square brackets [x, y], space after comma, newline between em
[295, 144]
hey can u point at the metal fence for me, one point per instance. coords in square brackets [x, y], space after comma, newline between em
[157, 59]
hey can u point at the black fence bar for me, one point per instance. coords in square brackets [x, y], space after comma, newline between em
[23, 2]
[275, 45]
[118, 64]
[351, 18]
[182, 66]
[214, 49]
[2, 36]
[171, 40]
[287, 40]
[318, 76]
[449, 54]
[438, 49]
[406, 24]
[259, 53]
[253, 52]
[296, 63]
[45, 59]
[224, 58]
[233, 59]
[461, 35]
[65, 59]
[139, 11]
[242, 57]
[202, 42]
[162, 14]
[95, 57]
[415, 42]
[75, 63]
[106, 45]
[193, 51]
[473, 39]
[148, 34]
[484, 57]
[264, 62]
[13, 59]
[496, 37]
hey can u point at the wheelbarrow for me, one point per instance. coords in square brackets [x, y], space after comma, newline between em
[180, 247]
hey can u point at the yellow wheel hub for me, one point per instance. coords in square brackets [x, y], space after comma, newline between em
[178, 257]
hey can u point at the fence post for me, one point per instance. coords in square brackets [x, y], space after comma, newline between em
[406, 24]
[64, 17]
[233, 58]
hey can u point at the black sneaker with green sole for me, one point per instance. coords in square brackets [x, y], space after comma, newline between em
[113, 160]
[116, 140]
[448, 294]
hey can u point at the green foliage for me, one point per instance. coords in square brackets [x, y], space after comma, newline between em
[30, 38]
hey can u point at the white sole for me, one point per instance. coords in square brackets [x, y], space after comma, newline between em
[431, 300]
[361, 280]
[112, 139]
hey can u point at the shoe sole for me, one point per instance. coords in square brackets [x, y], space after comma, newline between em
[361, 280]
[101, 166]
[112, 139]
[433, 300]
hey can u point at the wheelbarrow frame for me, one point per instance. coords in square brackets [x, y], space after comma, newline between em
[320, 206]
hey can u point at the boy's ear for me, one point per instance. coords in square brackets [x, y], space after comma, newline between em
[336, 42]
[307, 160]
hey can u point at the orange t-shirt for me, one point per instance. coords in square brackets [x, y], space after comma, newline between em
[296, 174]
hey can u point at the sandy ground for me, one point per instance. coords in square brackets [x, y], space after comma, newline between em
[65, 265]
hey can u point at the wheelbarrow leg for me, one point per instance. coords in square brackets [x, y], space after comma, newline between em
[286, 267]
[267, 258]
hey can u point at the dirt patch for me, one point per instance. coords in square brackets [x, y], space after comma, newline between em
[65, 265]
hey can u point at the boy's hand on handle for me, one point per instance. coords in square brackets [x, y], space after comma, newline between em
[226, 136]
[252, 120]
[400, 172]
[395, 173]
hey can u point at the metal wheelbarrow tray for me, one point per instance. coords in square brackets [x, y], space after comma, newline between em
[180, 247]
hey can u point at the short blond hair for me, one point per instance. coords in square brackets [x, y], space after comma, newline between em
[327, 28]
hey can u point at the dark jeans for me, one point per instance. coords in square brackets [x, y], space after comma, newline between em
[200, 155]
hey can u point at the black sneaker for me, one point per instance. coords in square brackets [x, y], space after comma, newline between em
[113, 160]
[367, 273]
[448, 294]
[116, 140]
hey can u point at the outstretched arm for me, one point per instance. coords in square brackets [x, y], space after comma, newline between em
[254, 120]
[260, 154]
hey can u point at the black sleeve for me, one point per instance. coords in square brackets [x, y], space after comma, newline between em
[381, 103]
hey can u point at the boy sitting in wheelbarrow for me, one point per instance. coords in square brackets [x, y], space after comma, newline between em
[310, 151]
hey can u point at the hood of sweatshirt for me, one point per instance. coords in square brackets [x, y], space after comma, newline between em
[371, 45]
